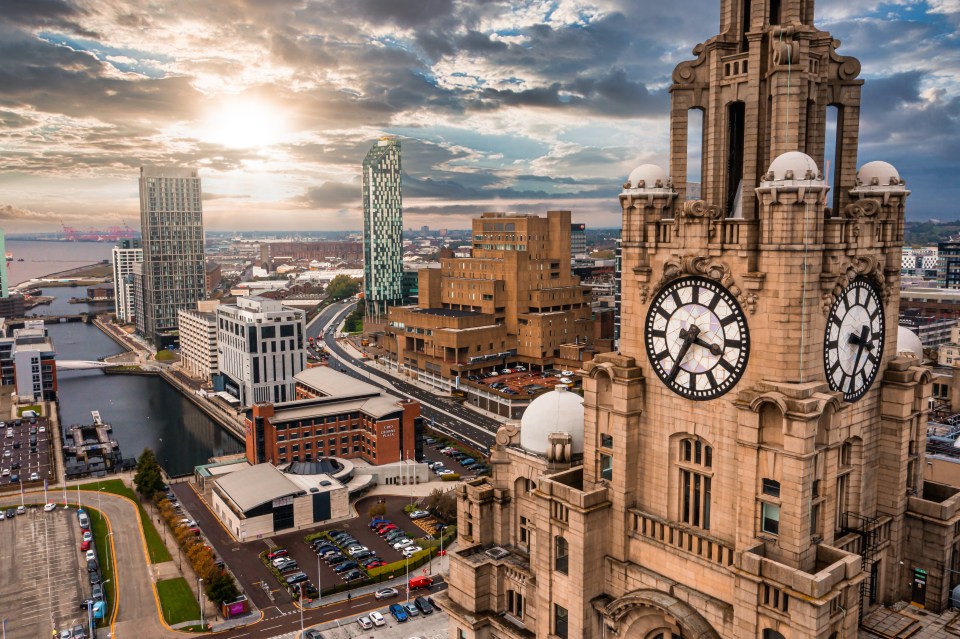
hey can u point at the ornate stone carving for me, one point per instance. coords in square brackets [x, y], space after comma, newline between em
[508, 434]
[685, 72]
[699, 211]
[706, 267]
[691, 622]
[867, 266]
[644, 293]
[559, 448]
[861, 208]
[848, 67]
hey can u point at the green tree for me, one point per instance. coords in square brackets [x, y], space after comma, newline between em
[377, 510]
[221, 587]
[148, 478]
[342, 287]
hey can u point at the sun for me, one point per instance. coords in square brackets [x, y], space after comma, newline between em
[243, 123]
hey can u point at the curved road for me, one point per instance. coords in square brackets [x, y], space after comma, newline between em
[137, 605]
[450, 417]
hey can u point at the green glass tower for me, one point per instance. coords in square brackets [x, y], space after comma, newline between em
[382, 227]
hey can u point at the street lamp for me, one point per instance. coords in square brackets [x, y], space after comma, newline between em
[200, 598]
[106, 545]
[99, 493]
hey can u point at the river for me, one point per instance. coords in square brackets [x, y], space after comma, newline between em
[145, 412]
[44, 258]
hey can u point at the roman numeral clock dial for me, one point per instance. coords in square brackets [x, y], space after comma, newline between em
[853, 341]
[696, 338]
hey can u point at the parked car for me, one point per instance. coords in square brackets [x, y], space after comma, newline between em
[423, 605]
[79, 632]
[87, 535]
[352, 550]
[296, 578]
[353, 575]
[279, 561]
[386, 593]
[419, 514]
[96, 591]
[94, 577]
[399, 613]
[92, 565]
[409, 551]
[336, 560]
[403, 543]
[365, 623]
[49, 507]
[376, 521]
[411, 609]
[363, 554]
[345, 566]
[377, 619]
[420, 582]
[376, 563]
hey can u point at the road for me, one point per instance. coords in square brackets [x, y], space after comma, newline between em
[449, 417]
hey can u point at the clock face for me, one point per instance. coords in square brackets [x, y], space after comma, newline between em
[853, 341]
[696, 338]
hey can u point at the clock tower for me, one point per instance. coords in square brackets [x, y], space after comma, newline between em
[761, 428]
[749, 464]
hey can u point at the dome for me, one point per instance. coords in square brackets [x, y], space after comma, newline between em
[908, 342]
[878, 173]
[648, 174]
[558, 411]
[800, 166]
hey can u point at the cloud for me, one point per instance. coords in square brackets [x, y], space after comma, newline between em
[10, 212]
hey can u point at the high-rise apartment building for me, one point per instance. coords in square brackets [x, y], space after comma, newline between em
[124, 255]
[171, 223]
[948, 264]
[260, 347]
[382, 227]
[750, 463]
[198, 340]
[578, 239]
[514, 301]
[4, 291]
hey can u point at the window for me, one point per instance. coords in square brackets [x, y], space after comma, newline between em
[515, 604]
[524, 530]
[771, 487]
[561, 561]
[606, 467]
[606, 441]
[560, 621]
[696, 462]
[770, 518]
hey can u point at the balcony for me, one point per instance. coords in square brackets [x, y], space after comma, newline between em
[651, 527]
[939, 502]
[829, 571]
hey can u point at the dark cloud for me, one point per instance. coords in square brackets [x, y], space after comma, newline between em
[331, 195]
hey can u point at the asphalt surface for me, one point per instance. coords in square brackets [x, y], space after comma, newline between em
[17, 462]
[447, 416]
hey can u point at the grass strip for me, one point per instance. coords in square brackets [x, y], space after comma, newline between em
[155, 546]
[105, 559]
[177, 601]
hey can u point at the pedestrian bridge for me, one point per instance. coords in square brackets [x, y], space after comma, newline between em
[79, 365]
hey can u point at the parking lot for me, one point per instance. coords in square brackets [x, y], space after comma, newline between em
[27, 449]
[524, 383]
[434, 626]
[42, 579]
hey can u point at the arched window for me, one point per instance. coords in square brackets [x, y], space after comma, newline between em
[769, 633]
[695, 482]
[561, 562]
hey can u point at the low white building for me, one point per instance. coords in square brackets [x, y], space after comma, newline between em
[258, 501]
[260, 347]
[198, 340]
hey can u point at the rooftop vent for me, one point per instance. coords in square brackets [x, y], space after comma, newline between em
[497, 552]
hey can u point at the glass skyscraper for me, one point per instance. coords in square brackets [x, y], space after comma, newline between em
[382, 227]
[171, 223]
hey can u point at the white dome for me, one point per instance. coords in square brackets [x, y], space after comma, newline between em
[558, 411]
[908, 342]
[649, 174]
[884, 173]
[796, 162]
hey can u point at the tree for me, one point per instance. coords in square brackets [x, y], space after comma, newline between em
[149, 476]
[221, 587]
[379, 509]
[342, 287]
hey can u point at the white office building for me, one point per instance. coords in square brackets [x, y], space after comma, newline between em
[198, 340]
[123, 257]
[260, 349]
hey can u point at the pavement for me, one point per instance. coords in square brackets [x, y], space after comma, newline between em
[137, 612]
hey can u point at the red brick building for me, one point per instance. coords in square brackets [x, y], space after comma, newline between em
[334, 415]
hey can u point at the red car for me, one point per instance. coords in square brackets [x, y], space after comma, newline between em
[386, 529]
[277, 552]
[420, 582]
[84, 546]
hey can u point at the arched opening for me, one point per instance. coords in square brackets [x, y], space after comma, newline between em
[694, 153]
[774, 11]
[736, 115]
[771, 425]
[561, 553]
[769, 633]
[832, 150]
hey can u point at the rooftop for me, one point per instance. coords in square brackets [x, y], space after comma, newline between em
[256, 485]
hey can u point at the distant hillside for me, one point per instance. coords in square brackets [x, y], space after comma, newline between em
[929, 233]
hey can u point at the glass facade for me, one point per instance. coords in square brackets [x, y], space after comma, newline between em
[171, 221]
[382, 227]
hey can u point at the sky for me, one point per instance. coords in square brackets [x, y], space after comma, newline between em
[520, 106]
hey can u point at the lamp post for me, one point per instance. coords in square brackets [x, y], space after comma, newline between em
[106, 545]
[200, 598]
[103, 587]
[99, 493]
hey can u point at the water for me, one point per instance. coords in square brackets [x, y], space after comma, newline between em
[44, 258]
[145, 412]
[61, 304]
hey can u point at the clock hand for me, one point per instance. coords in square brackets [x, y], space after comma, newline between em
[688, 336]
[862, 343]
[715, 349]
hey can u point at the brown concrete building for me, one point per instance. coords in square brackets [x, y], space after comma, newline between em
[212, 276]
[514, 301]
[752, 458]
[334, 415]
